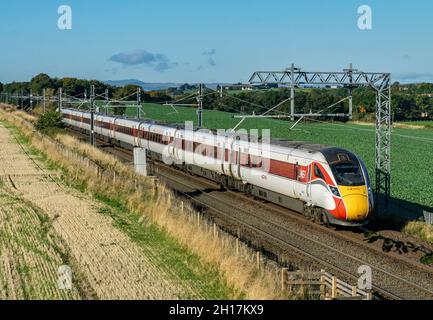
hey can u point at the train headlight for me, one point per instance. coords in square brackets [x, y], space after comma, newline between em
[335, 191]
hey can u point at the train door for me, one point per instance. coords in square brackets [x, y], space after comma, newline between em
[179, 147]
[226, 156]
[235, 160]
[301, 188]
[171, 144]
[309, 176]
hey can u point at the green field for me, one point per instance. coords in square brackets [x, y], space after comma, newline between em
[418, 123]
[412, 150]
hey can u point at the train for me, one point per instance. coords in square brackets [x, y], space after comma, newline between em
[328, 185]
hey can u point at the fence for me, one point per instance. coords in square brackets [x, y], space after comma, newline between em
[302, 284]
[323, 285]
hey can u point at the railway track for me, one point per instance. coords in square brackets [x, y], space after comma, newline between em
[284, 233]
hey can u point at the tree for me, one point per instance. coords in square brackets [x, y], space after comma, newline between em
[40, 82]
[73, 86]
[125, 93]
[156, 96]
[423, 104]
[403, 105]
[17, 87]
[50, 121]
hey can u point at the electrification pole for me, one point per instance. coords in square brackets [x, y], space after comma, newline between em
[44, 106]
[200, 105]
[106, 101]
[350, 72]
[292, 92]
[31, 100]
[92, 115]
[60, 99]
[138, 102]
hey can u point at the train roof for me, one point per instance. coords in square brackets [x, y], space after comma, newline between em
[300, 145]
[331, 153]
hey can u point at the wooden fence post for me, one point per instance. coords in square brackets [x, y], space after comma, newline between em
[283, 278]
[322, 285]
[334, 288]
[237, 246]
[354, 291]
[214, 230]
[303, 291]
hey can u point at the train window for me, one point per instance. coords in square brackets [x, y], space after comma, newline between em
[348, 174]
[318, 173]
[244, 160]
[255, 162]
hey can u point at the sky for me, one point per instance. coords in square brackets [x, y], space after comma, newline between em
[213, 41]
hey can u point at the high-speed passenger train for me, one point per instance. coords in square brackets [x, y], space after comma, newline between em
[327, 184]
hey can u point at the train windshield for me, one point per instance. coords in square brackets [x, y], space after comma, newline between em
[348, 174]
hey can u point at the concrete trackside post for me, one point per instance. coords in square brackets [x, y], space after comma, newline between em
[140, 161]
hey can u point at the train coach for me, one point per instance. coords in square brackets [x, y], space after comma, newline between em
[327, 184]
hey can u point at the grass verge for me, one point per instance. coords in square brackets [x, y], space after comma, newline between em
[420, 230]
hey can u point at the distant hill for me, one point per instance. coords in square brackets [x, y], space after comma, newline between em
[146, 86]
[150, 86]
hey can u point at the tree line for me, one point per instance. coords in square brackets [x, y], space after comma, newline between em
[77, 87]
[409, 102]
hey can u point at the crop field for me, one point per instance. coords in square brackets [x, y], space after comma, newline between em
[412, 150]
[44, 224]
[418, 123]
[30, 252]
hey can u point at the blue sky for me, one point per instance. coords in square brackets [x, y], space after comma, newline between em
[212, 41]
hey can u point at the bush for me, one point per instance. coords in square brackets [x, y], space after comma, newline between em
[51, 120]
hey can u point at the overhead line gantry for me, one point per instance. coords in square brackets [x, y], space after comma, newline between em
[349, 78]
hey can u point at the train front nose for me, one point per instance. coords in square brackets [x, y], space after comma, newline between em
[356, 202]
